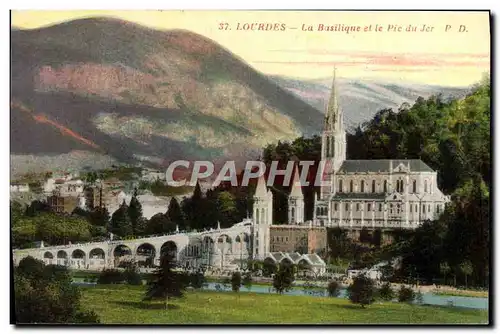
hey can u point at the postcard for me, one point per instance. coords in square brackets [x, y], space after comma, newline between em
[250, 167]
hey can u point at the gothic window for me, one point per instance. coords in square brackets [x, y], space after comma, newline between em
[340, 186]
[438, 208]
[402, 186]
[332, 147]
[263, 219]
[318, 211]
[411, 208]
[373, 186]
[429, 208]
[369, 207]
[293, 215]
[414, 186]
[257, 216]
[380, 207]
[391, 208]
[399, 208]
[423, 208]
[336, 206]
[362, 186]
[385, 186]
[425, 186]
[347, 207]
[327, 146]
[357, 206]
[351, 186]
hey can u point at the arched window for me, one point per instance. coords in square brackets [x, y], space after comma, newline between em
[347, 207]
[391, 207]
[357, 206]
[414, 186]
[402, 186]
[293, 215]
[385, 186]
[373, 186]
[369, 207]
[425, 186]
[362, 186]
[397, 185]
[351, 186]
[257, 216]
[327, 147]
[340, 186]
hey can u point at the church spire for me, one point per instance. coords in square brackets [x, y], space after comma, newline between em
[332, 117]
[296, 186]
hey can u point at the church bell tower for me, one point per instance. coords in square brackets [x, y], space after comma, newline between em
[333, 145]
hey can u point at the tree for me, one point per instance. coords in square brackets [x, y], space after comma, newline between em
[197, 279]
[50, 298]
[466, 268]
[444, 268]
[166, 282]
[386, 293]
[174, 214]
[406, 295]
[361, 291]
[134, 212]
[247, 280]
[99, 217]
[283, 279]
[268, 268]
[236, 281]
[31, 268]
[333, 289]
[120, 221]
[159, 224]
[131, 274]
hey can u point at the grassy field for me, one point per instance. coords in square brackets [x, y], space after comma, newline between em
[122, 304]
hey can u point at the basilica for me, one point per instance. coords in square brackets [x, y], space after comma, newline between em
[372, 194]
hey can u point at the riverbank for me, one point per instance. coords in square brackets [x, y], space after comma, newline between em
[122, 304]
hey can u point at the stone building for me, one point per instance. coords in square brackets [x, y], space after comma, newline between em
[372, 194]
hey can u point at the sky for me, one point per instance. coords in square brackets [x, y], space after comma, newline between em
[432, 56]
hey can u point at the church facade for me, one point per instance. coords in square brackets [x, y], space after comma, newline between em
[372, 194]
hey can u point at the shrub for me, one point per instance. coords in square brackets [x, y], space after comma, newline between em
[333, 289]
[386, 292]
[361, 291]
[236, 281]
[111, 276]
[406, 295]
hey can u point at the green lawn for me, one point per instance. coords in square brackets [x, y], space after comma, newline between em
[122, 304]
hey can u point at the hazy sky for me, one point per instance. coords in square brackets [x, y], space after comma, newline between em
[433, 57]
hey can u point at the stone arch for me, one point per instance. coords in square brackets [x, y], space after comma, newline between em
[78, 254]
[97, 253]
[170, 248]
[48, 255]
[237, 239]
[208, 250]
[145, 255]
[78, 258]
[224, 243]
[62, 255]
[62, 258]
[145, 249]
[122, 250]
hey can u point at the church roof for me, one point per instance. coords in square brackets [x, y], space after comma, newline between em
[261, 190]
[296, 187]
[382, 165]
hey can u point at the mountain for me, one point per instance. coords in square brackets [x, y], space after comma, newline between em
[111, 90]
[361, 99]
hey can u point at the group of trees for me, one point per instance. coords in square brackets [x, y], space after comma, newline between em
[44, 294]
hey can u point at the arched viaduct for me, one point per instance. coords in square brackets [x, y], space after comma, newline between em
[219, 248]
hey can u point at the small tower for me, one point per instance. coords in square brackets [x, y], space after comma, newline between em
[296, 201]
[262, 219]
[262, 204]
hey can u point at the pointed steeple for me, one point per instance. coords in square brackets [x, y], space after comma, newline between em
[261, 190]
[296, 186]
[332, 113]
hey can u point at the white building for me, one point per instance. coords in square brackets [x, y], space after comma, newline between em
[372, 194]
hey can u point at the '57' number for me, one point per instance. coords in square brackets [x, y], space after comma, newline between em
[223, 26]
